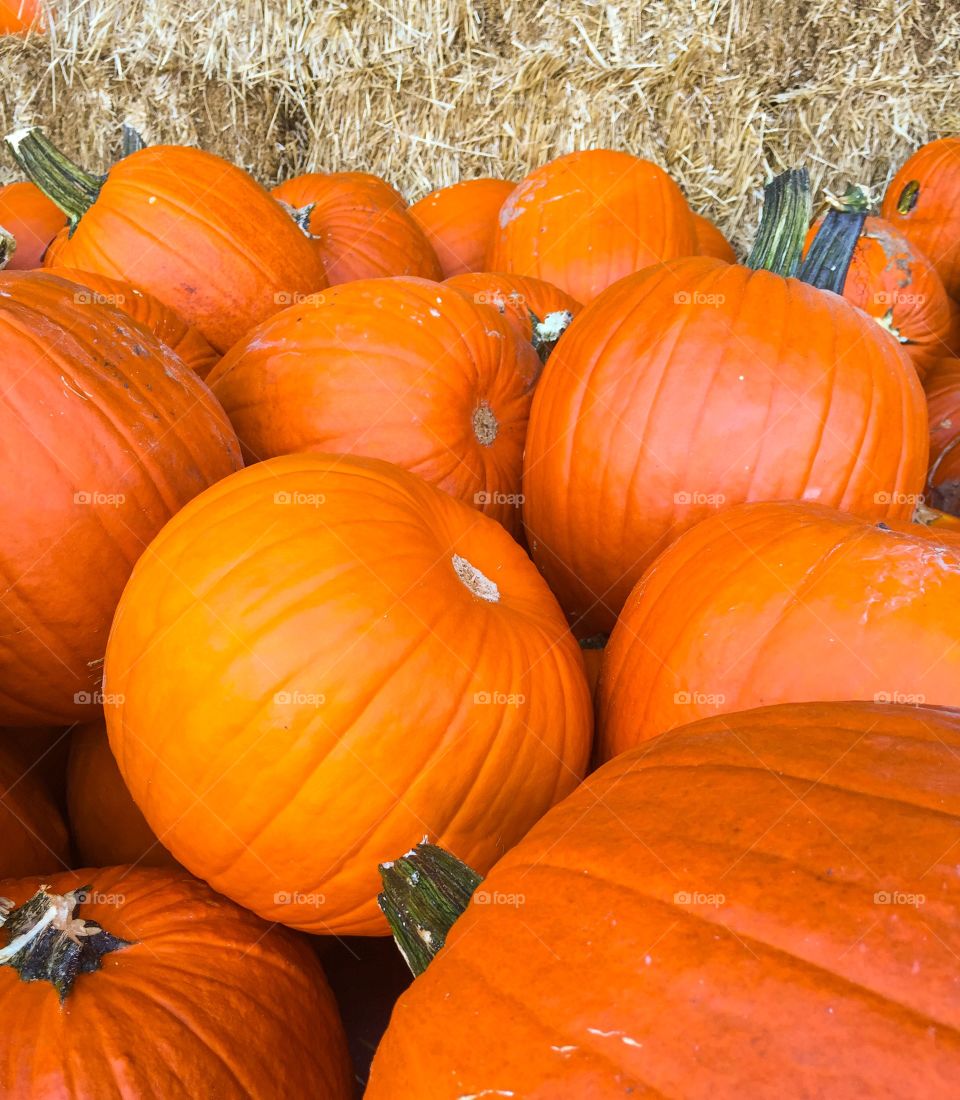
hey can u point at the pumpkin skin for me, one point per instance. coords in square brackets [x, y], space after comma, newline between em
[942, 387]
[105, 824]
[33, 836]
[214, 991]
[892, 281]
[166, 324]
[17, 16]
[734, 857]
[668, 398]
[368, 696]
[587, 219]
[932, 221]
[33, 220]
[109, 434]
[516, 297]
[44, 751]
[401, 369]
[459, 222]
[710, 241]
[360, 226]
[794, 602]
[198, 233]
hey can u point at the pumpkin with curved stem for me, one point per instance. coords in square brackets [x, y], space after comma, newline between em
[799, 853]
[109, 434]
[710, 241]
[836, 607]
[214, 991]
[922, 202]
[359, 225]
[33, 837]
[195, 231]
[459, 222]
[587, 219]
[401, 369]
[32, 220]
[390, 664]
[696, 385]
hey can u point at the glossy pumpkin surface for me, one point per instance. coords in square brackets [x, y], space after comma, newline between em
[764, 894]
[391, 664]
[33, 836]
[460, 221]
[32, 219]
[516, 297]
[694, 386]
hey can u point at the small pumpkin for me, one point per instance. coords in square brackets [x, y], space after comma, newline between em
[586, 219]
[389, 663]
[359, 225]
[33, 836]
[459, 222]
[794, 602]
[32, 220]
[144, 982]
[710, 241]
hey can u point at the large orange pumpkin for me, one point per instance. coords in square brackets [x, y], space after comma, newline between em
[460, 221]
[33, 837]
[359, 225]
[388, 664]
[942, 386]
[104, 434]
[402, 369]
[194, 230]
[32, 220]
[586, 219]
[145, 983]
[761, 905]
[710, 241]
[922, 202]
[778, 603]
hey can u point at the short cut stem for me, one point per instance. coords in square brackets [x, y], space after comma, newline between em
[787, 208]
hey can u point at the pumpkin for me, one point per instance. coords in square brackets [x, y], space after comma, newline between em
[166, 324]
[33, 837]
[921, 202]
[586, 219]
[106, 826]
[108, 434]
[709, 241]
[44, 751]
[402, 369]
[389, 663]
[459, 222]
[763, 897]
[942, 387]
[794, 602]
[32, 220]
[17, 16]
[892, 281]
[143, 982]
[693, 386]
[195, 231]
[359, 225]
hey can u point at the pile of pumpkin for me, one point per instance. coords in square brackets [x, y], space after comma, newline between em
[613, 587]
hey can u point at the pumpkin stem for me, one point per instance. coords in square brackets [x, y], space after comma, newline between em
[595, 641]
[423, 894]
[8, 245]
[131, 140]
[47, 943]
[787, 207]
[301, 216]
[831, 251]
[547, 332]
[856, 199]
[66, 184]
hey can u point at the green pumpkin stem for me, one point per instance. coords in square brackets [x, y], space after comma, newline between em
[131, 140]
[787, 208]
[424, 892]
[831, 251]
[66, 184]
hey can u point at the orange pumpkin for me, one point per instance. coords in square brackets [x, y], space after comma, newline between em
[402, 369]
[767, 897]
[359, 225]
[106, 826]
[33, 837]
[942, 386]
[32, 220]
[161, 988]
[459, 222]
[794, 602]
[710, 241]
[17, 16]
[44, 751]
[587, 219]
[389, 663]
[109, 435]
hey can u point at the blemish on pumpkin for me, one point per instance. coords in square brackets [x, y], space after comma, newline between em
[485, 426]
[471, 577]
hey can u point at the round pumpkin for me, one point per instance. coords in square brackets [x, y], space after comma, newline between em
[388, 663]
[769, 897]
[105, 824]
[179, 993]
[587, 219]
[781, 603]
[459, 222]
[517, 297]
[33, 837]
[359, 225]
[710, 241]
[693, 386]
[402, 369]
[922, 202]
[104, 434]
[942, 386]
[32, 220]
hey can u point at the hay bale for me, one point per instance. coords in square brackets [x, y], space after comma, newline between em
[426, 92]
